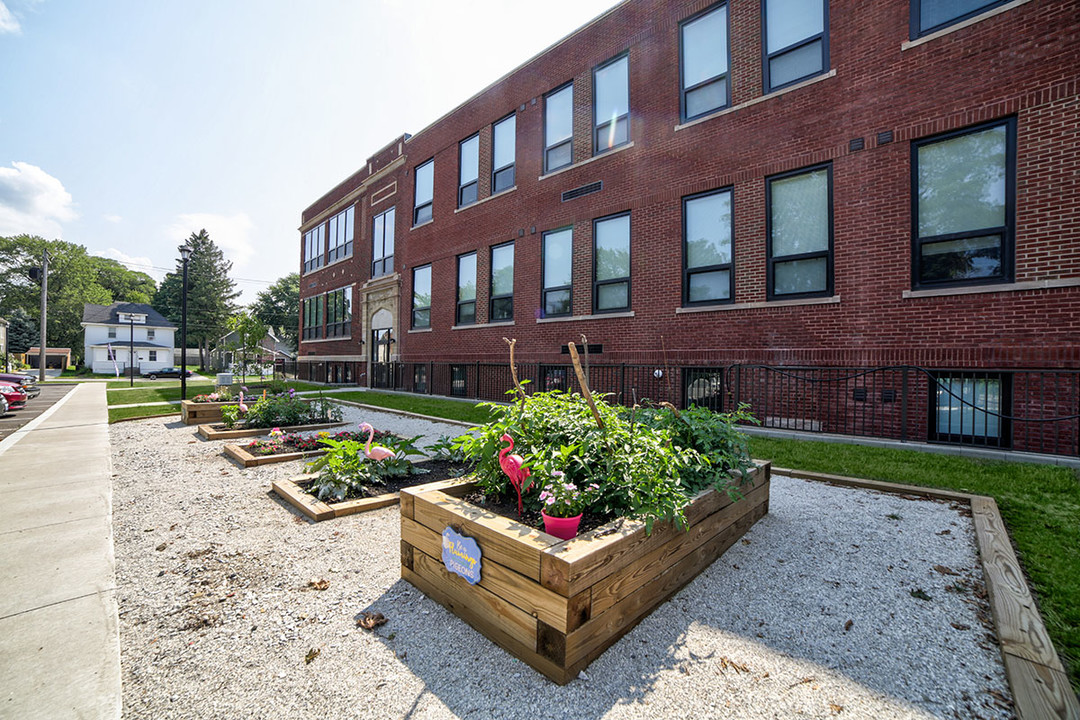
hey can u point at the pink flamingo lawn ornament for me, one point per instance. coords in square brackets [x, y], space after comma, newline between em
[378, 452]
[512, 466]
[243, 407]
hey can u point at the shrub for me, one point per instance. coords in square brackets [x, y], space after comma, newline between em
[288, 409]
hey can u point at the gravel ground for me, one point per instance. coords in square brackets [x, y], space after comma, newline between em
[830, 606]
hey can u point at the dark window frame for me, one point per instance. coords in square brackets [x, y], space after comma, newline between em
[345, 249]
[683, 90]
[313, 317]
[492, 297]
[687, 272]
[474, 185]
[383, 264]
[767, 57]
[413, 324]
[497, 171]
[570, 140]
[598, 129]
[459, 380]
[336, 302]
[430, 204]
[1006, 231]
[312, 263]
[597, 284]
[458, 302]
[544, 290]
[771, 262]
[1005, 428]
[916, 17]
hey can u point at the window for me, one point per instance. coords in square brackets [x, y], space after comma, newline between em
[425, 192]
[420, 378]
[112, 333]
[559, 128]
[611, 264]
[466, 289]
[502, 283]
[796, 40]
[504, 139]
[421, 297]
[928, 16]
[313, 316]
[313, 248]
[468, 170]
[149, 334]
[382, 243]
[967, 408]
[339, 237]
[557, 273]
[338, 312]
[704, 63]
[153, 356]
[964, 199]
[459, 375]
[708, 276]
[611, 104]
[799, 215]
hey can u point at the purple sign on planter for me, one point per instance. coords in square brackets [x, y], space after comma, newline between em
[461, 555]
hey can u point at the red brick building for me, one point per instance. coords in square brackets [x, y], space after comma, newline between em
[824, 187]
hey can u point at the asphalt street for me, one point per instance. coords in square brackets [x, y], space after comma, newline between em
[14, 420]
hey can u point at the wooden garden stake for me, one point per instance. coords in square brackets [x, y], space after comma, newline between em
[513, 371]
[584, 383]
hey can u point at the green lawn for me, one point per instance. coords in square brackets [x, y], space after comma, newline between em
[1039, 503]
[154, 393]
[142, 411]
[437, 407]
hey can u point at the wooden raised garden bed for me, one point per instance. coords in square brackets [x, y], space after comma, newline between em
[193, 413]
[556, 604]
[242, 456]
[210, 432]
[292, 491]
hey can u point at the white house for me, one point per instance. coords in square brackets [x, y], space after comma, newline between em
[112, 332]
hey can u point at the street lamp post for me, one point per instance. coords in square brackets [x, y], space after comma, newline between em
[185, 254]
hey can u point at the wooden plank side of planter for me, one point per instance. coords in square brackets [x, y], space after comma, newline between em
[245, 458]
[293, 494]
[492, 611]
[1040, 692]
[352, 507]
[587, 643]
[525, 594]
[505, 541]
[476, 617]
[625, 582]
[193, 413]
[455, 487]
[581, 563]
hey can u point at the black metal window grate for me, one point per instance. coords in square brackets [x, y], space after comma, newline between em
[583, 190]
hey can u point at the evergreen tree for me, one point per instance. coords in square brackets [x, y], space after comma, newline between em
[22, 331]
[279, 307]
[210, 293]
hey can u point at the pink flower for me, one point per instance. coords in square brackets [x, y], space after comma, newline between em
[570, 486]
[545, 495]
[550, 500]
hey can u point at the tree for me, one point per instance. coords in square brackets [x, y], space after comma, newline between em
[210, 293]
[22, 331]
[72, 283]
[122, 284]
[249, 331]
[278, 306]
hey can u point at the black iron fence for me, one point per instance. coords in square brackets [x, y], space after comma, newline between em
[1024, 410]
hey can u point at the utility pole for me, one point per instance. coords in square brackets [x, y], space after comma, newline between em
[131, 347]
[44, 313]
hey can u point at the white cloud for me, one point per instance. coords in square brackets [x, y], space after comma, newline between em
[33, 201]
[8, 22]
[231, 233]
[138, 263]
[112, 218]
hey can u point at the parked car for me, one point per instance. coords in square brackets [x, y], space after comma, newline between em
[25, 382]
[164, 372]
[16, 398]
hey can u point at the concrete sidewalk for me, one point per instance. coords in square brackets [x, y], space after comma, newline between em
[59, 630]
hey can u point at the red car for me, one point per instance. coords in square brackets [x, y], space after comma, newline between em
[16, 398]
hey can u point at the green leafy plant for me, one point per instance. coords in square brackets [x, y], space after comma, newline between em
[288, 409]
[344, 470]
[638, 468]
[230, 414]
[565, 499]
[446, 449]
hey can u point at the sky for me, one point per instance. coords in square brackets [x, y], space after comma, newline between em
[127, 125]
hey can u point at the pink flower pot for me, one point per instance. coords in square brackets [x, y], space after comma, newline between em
[562, 528]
